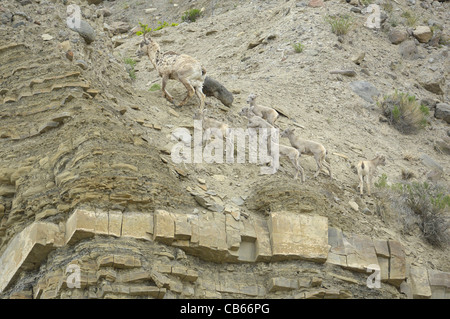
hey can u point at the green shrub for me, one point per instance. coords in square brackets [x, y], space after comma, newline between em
[132, 64]
[404, 112]
[298, 47]
[411, 18]
[340, 25]
[191, 15]
[421, 204]
[387, 6]
[161, 25]
[155, 87]
[382, 181]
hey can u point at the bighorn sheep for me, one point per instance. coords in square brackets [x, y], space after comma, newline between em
[209, 123]
[254, 121]
[309, 148]
[294, 155]
[267, 113]
[174, 66]
[368, 168]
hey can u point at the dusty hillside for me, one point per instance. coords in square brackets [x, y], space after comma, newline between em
[79, 128]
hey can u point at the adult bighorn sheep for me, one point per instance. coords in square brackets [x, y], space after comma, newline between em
[174, 66]
[368, 169]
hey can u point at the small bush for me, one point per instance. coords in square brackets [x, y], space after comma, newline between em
[404, 112]
[387, 6]
[382, 181]
[298, 47]
[411, 18]
[155, 87]
[340, 25]
[132, 64]
[423, 205]
[191, 15]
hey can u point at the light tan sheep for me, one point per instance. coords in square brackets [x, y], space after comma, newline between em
[308, 148]
[174, 66]
[210, 123]
[254, 121]
[368, 168]
[294, 155]
[267, 113]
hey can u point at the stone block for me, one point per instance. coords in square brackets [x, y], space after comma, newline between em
[247, 229]
[137, 225]
[164, 227]
[247, 251]
[182, 227]
[420, 285]
[360, 252]
[212, 236]
[263, 247]
[381, 247]
[28, 249]
[397, 263]
[115, 223]
[80, 225]
[383, 262]
[101, 223]
[335, 259]
[232, 228]
[298, 236]
[126, 261]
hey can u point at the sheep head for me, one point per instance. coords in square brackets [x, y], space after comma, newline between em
[251, 97]
[287, 132]
[147, 46]
[380, 159]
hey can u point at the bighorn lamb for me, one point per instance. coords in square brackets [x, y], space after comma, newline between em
[254, 121]
[308, 148]
[210, 123]
[267, 113]
[294, 155]
[174, 66]
[368, 169]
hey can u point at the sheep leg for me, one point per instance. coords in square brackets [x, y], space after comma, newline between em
[166, 94]
[190, 89]
[319, 166]
[361, 184]
[369, 181]
[201, 96]
[295, 163]
[327, 166]
[300, 168]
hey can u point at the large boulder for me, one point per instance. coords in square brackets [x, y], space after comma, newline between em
[423, 34]
[213, 88]
[397, 36]
[408, 50]
[442, 112]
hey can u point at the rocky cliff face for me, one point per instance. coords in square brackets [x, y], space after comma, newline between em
[88, 189]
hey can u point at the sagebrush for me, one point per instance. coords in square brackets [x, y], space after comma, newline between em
[420, 204]
[340, 25]
[404, 112]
